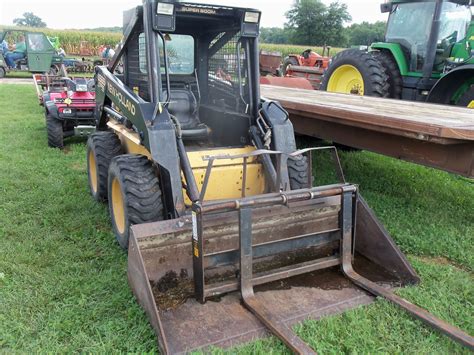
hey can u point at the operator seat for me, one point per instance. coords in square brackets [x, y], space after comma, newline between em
[184, 106]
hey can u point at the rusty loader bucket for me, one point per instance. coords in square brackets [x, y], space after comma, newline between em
[236, 270]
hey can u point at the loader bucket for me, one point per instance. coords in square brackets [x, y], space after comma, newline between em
[185, 272]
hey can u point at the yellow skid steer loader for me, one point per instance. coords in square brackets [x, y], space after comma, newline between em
[227, 239]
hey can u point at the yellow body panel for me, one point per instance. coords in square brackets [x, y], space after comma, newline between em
[225, 181]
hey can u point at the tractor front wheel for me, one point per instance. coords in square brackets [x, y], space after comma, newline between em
[134, 194]
[102, 147]
[467, 99]
[54, 128]
[356, 72]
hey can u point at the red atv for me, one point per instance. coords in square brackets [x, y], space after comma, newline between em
[69, 106]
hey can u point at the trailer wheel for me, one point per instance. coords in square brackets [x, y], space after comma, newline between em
[134, 194]
[393, 73]
[298, 172]
[102, 147]
[356, 72]
[287, 62]
[54, 128]
[2, 72]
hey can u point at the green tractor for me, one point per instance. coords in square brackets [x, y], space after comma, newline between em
[40, 56]
[427, 55]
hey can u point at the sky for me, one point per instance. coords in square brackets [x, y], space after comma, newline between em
[62, 14]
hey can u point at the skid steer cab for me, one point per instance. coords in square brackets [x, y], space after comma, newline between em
[207, 191]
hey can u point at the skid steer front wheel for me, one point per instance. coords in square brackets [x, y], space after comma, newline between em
[102, 147]
[134, 194]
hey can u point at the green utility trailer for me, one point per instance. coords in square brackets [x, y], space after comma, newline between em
[427, 55]
[41, 56]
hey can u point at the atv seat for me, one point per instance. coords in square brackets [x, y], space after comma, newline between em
[183, 105]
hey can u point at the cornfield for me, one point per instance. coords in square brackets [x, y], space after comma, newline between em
[77, 42]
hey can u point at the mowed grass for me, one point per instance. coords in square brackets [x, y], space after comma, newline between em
[63, 283]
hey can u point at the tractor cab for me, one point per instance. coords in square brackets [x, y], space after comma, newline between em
[433, 35]
[40, 56]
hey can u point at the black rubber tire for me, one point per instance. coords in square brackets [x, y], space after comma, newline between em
[54, 128]
[288, 61]
[298, 172]
[466, 98]
[104, 146]
[372, 71]
[140, 191]
[2, 72]
[392, 70]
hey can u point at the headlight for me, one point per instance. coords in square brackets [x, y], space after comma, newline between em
[67, 111]
[252, 17]
[164, 8]
[81, 87]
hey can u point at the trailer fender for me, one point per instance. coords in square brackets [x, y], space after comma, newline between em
[447, 86]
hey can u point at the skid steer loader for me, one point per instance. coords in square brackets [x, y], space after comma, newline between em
[227, 240]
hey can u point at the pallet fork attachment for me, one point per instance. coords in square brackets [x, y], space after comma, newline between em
[253, 245]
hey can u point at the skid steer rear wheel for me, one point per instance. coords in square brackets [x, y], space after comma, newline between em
[134, 194]
[102, 147]
[356, 72]
[298, 172]
[54, 128]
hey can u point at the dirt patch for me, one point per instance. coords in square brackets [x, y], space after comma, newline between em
[172, 290]
[78, 167]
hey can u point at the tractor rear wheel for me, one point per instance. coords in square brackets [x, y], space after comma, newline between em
[134, 194]
[393, 72]
[298, 172]
[2, 72]
[102, 147]
[287, 62]
[54, 128]
[356, 72]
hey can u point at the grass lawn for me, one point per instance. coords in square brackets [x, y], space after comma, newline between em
[63, 284]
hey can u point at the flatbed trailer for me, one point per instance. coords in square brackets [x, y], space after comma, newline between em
[437, 136]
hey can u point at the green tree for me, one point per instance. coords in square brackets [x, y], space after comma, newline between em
[275, 35]
[366, 33]
[29, 20]
[314, 23]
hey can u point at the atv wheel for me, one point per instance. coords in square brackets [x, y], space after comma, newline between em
[134, 194]
[287, 62]
[393, 73]
[2, 72]
[55, 132]
[356, 72]
[102, 147]
[298, 172]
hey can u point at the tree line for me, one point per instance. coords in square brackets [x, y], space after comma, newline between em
[311, 22]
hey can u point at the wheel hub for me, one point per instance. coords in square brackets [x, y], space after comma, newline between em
[346, 80]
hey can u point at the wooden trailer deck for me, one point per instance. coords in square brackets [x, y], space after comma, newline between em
[438, 136]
